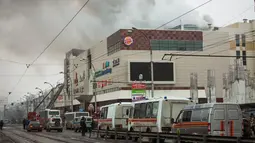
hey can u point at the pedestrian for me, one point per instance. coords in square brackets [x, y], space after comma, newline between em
[89, 126]
[83, 126]
[24, 123]
[1, 124]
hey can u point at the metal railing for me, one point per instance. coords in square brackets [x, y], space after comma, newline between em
[176, 137]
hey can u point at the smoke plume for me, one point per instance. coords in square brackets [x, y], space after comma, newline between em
[27, 26]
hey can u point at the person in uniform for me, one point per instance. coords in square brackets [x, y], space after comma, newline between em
[83, 126]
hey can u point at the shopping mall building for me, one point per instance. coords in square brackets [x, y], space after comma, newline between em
[119, 60]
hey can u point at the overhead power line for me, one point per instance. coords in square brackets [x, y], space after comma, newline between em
[206, 56]
[61, 31]
[48, 46]
[184, 14]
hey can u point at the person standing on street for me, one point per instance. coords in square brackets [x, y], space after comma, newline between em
[1, 125]
[24, 124]
[89, 127]
[83, 126]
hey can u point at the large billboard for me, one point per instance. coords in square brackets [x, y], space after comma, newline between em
[164, 72]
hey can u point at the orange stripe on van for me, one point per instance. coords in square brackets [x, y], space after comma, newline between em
[222, 127]
[143, 120]
[231, 128]
[190, 124]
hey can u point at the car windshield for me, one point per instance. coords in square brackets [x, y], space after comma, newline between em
[54, 113]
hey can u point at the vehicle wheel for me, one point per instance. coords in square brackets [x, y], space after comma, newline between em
[75, 130]
[28, 131]
[60, 130]
[39, 130]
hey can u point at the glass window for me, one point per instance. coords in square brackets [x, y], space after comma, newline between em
[196, 115]
[219, 114]
[53, 113]
[233, 114]
[82, 114]
[136, 110]
[186, 116]
[143, 110]
[149, 110]
[155, 109]
[205, 115]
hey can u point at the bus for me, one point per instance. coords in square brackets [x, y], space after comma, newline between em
[156, 115]
[70, 116]
[115, 116]
[46, 114]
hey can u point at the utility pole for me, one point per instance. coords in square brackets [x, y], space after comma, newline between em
[4, 111]
[151, 60]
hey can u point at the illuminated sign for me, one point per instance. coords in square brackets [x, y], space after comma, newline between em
[103, 72]
[106, 65]
[115, 62]
[128, 40]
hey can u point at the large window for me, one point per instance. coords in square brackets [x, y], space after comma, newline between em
[176, 45]
[104, 112]
[200, 115]
[163, 72]
[146, 110]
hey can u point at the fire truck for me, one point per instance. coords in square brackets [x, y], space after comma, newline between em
[32, 116]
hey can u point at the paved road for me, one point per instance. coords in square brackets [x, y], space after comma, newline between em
[18, 135]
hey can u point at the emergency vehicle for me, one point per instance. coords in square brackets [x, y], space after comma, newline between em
[217, 119]
[156, 115]
[46, 114]
[114, 116]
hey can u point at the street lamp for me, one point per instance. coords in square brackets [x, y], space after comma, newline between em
[41, 91]
[151, 61]
[49, 84]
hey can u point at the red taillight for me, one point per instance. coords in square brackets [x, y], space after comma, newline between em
[209, 127]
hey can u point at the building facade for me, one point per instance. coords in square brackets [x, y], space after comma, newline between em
[116, 62]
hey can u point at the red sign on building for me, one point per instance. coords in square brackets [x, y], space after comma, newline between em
[138, 86]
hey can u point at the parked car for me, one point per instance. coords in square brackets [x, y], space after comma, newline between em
[54, 123]
[34, 126]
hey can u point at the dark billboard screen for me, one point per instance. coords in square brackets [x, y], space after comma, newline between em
[163, 71]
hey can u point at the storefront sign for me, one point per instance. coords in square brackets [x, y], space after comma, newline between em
[115, 62]
[104, 83]
[128, 41]
[106, 65]
[103, 72]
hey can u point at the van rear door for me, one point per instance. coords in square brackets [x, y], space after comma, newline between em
[218, 120]
[234, 120]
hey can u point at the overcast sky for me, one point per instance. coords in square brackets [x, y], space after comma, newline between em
[27, 27]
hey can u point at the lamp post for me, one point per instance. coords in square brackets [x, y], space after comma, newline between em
[69, 92]
[151, 61]
[41, 91]
[52, 88]
[94, 79]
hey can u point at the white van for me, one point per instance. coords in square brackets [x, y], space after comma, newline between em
[156, 115]
[222, 119]
[114, 116]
